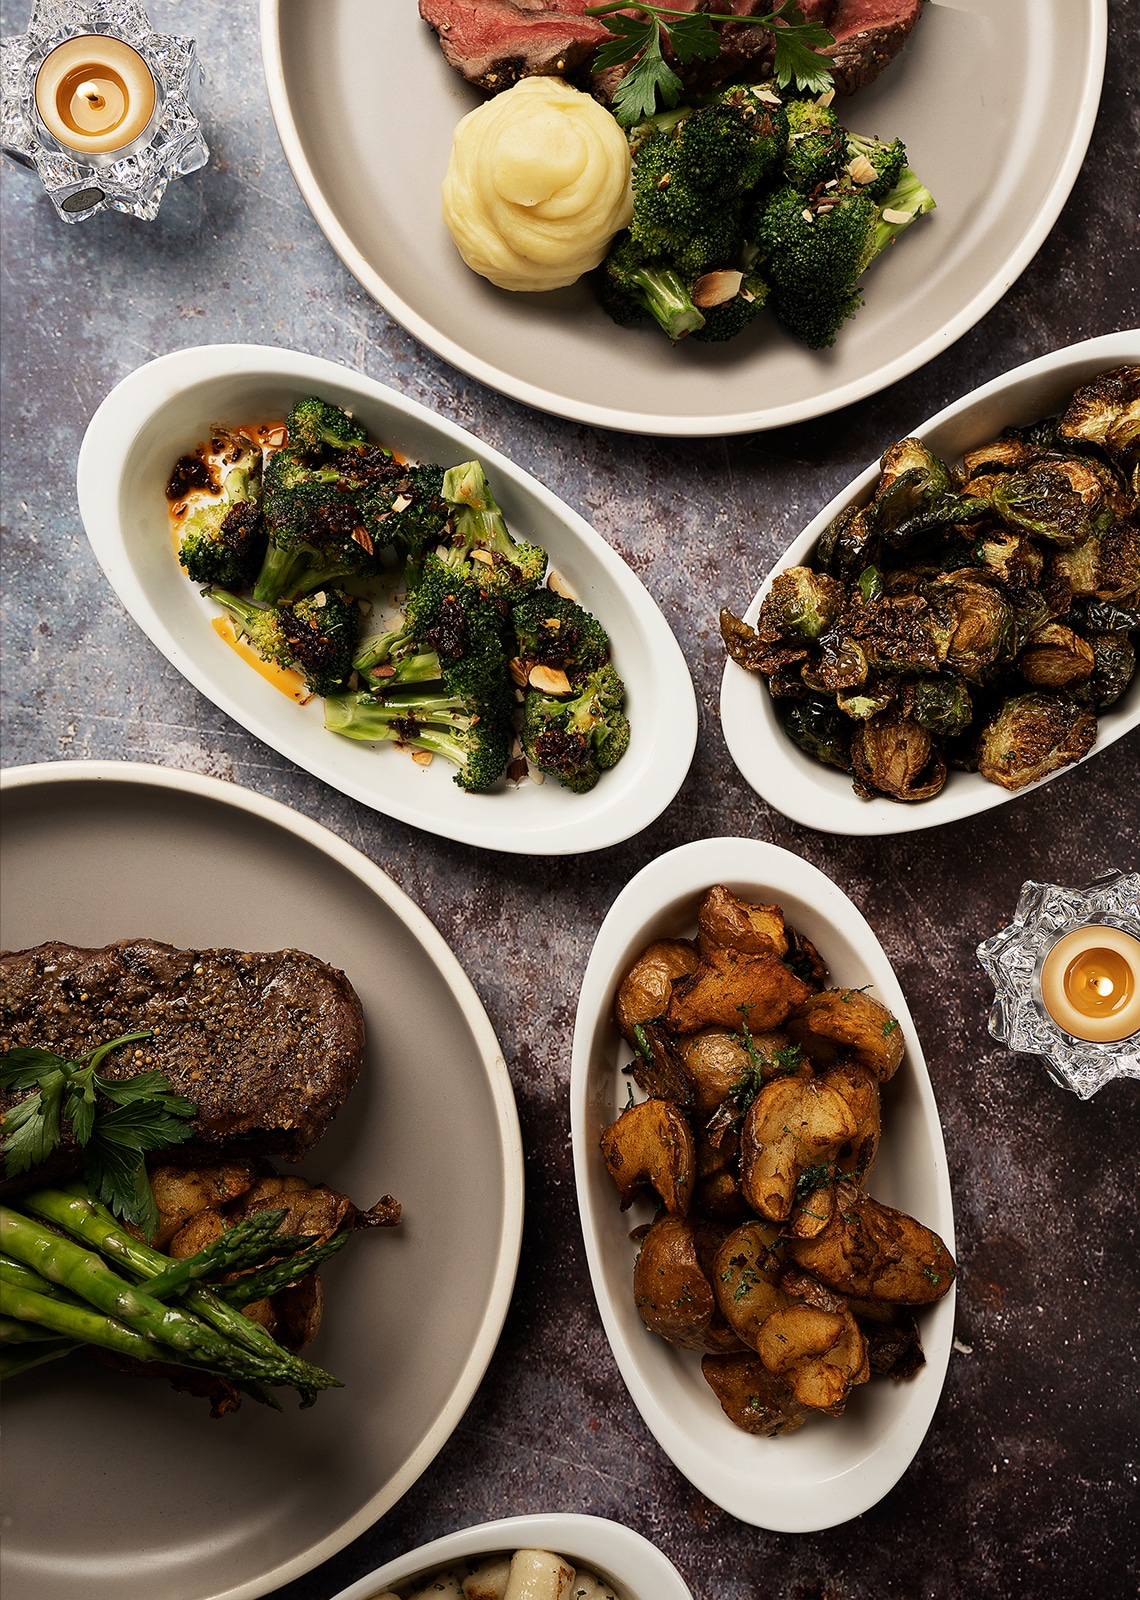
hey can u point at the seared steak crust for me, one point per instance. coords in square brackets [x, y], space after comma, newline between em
[266, 1045]
[868, 35]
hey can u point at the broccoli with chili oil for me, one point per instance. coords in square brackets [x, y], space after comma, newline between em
[551, 631]
[313, 425]
[577, 739]
[223, 541]
[315, 636]
[480, 534]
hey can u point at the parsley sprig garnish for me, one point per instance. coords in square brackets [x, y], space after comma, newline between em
[693, 36]
[143, 1115]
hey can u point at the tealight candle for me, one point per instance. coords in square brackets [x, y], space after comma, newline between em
[95, 94]
[1090, 983]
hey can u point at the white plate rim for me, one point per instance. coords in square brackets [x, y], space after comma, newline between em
[752, 421]
[688, 871]
[597, 1541]
[421, 928]
[603, 818]
[749, 738]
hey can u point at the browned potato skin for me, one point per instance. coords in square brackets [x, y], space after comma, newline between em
[663, 1076]
[793, 1124]
[752, 1397]
[738, 924]
[651, 1146]
[202, 1229]
[716, 1060]
[745, 1278]
[859, 1089]
[870, 1250]
[181, 1192]
[671, 1286]
[643, 994]
[821, 1354]
[730, 986]
[856, 1021]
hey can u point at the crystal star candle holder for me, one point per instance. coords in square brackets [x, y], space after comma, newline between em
[1108, 913]
[133, 176]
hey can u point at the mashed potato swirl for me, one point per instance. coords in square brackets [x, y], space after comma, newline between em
[537, 185]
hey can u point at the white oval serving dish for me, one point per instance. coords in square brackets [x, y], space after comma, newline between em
[167, 406]
[637, 1568]
[822, 797]
[832, 1469]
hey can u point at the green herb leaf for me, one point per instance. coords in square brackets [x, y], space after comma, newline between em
[20, 1069]
[649, 79]
[796, 44]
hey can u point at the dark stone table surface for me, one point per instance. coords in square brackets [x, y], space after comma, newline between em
[1026, 1484]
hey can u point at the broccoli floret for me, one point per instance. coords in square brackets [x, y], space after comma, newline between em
[888, 160]
[815, 250]
[726, 320]
[817, 145]
[223, 540]
[314, 425]
[316, 537]
[440, 723]
[578, 739]
[480, 529]
[410, 513]
[316, 636]
[551, 631]
[631, 286]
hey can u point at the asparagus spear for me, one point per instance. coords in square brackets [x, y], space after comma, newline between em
[76, 1323]
[94, 1225]
[244, 1245]
[86, 1275]
[279, 1274]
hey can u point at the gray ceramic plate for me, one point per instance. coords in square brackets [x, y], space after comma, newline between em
[995, 100]
[119, 1489]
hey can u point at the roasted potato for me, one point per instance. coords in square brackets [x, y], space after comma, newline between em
[658, 1068]
[745, 1275]
[181, 1192]
[729, 988]
[869, 1250]
[852, 1019]
[859, 1089]
[717, 1061]
[643, 994]
[651, 1146]
[793, 1124]
[672, 1288]
[821, 1354]
[723, 920]
[752, 1397]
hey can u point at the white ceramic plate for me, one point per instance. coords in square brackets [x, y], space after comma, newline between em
[830, 1469]
[822, 797]
[994, 98]
[636, 1568]
[166, 407]
[120, 1489]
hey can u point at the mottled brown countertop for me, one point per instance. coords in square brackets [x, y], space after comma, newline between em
[1026, 1484]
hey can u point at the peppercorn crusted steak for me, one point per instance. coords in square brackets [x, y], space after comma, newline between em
[266, 1045]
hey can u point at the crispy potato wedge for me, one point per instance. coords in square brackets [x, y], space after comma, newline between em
[672, 1290]
[739, 925]
[870, 1250]
[717, 1061]
[859, 1089]
[643, 994]
[720, 1196]
[651, 1146]
[659, 1069]
[729, 987]
[821, 1354]
[793, 1124]
[745, 1276]
[854, 1020]
[181, 1192]
[751, 1396]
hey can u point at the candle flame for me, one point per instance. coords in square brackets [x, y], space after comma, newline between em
[90, 93]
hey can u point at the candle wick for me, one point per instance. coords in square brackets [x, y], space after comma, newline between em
[91, 94]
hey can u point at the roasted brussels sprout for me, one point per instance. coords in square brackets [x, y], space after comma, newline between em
[801, 604]
[756, 652]
[981, 623]
[840, 664]
[897, 634]
[821, 730]
[848, 544]
[942, 706]
[1010, 557]
[894, 755]
[1031, 735]
[1062, 502]
[1056, 658]
[912, 479]
[1115, 664]
[1107, 412]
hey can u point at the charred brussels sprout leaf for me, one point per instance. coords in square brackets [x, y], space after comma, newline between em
[848, 543]
[801, 603]
[1031, 735]
[942, 706]
[1106, 412]
[1061, 502]
[870, 584]
[1114, 665]
[1055, 658]
[893, 755]
[820, 730]
[865, 702]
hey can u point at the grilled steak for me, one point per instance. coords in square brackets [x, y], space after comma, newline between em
[494, 43]
[267, 1046]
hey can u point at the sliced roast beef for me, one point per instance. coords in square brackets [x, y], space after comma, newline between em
[868, 35]
[267, 1046]
[494, 43]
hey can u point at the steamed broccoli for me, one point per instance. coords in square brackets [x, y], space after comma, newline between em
[817, 145]
[631, 286]
[578, 739]
[223, 541]
[480, 531]
[315, 636]
[551, 631]
[442, 724]
[314, 425]
[814, 250]
[888, 160]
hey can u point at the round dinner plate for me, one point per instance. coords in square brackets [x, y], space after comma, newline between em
[995, 100]
[831, 1469]
[121, 1489]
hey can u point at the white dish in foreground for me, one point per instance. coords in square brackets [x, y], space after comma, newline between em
[636, 1567]
[832, 1469]
[822, 797]
[995, 100]
[168, 406]
[160, 1499]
